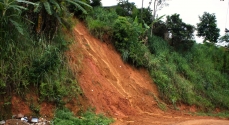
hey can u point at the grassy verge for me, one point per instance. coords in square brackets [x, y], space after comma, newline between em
[224, 114]
[66, 117]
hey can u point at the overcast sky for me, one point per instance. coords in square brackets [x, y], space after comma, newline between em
[189, 10]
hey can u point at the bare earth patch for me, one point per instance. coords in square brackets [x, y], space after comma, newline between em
[120, 90]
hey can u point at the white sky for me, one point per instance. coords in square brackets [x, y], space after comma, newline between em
[190, 10]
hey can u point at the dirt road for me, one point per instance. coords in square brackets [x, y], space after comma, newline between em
[120, 90]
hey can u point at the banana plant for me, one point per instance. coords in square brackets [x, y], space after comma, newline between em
[54, 10]
[10, 11]
[155, 21]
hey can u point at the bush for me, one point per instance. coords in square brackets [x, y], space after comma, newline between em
[100, 22]
[127, 42]
[65, 117]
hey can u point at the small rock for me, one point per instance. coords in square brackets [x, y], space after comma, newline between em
[2, 122]
[41, 119]
[34, 120]
[24, 119]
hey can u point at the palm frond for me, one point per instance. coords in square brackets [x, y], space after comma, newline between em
[38, 7]
[47, 7]
[26, 2]
[156, 20]
[56, 4]
[17, 7]
[75, 2]
[83, 3]
[17, 26]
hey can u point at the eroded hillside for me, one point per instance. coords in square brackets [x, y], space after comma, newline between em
[117, 89]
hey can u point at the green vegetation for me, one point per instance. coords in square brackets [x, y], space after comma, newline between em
[32, 59]
[182, 33]
[65, 117]
[207, 27]
[185, 72]
[224, 38]
[160, 104]
[32, 46]
[224, 114]
[98, 24]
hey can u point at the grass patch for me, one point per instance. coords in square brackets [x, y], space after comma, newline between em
[66, 117]
[223, 114]
[160, 104]
[26, 64]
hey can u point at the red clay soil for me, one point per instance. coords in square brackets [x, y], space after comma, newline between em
[119, 90]
[20, 106]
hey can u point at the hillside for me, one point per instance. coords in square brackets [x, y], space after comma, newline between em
[115, 63]
[119, 90]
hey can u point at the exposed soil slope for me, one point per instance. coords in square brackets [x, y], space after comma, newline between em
[118, 89]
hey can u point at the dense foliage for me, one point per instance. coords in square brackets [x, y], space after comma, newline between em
[207, 27]
[32, 47]
[32, 59]
[197, 74]
[181, 33]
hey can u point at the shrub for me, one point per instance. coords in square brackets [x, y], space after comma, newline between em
[65, 117]
[100, 22]
[127, 42]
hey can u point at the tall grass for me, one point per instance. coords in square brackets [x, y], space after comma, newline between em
[193, 77]
[35, 65]
[194, 74]
[33, 61]
[27, 63]
[100, 22]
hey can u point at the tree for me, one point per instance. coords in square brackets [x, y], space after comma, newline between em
[51, 13]
[180, 32]
[224, 38]
[146, 16]
[157, 5]
[207, 27]
[95, 3]
[159, 29]
[142, 9]
[125, 8]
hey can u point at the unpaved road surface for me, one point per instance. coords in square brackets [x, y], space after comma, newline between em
[120, 90]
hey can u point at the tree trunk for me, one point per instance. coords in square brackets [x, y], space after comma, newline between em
[142, 10]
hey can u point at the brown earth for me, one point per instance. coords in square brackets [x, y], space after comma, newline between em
[114, 88]
[119, 90]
